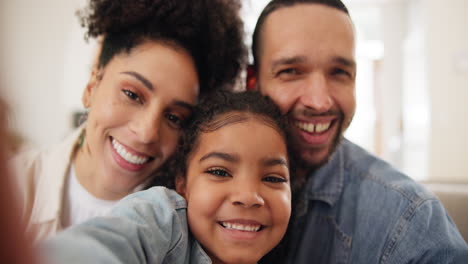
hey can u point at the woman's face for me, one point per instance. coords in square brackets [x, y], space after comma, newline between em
[237, 190]
[136, 103]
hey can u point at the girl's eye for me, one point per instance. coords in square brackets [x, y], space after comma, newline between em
[133, 96]
[175, 120]
[274, 179]
[218, 172]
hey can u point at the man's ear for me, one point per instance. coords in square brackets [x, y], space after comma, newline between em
[90, 87]
[180, 185]
[251, 80]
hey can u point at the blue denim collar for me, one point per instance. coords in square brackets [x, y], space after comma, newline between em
[326, 184]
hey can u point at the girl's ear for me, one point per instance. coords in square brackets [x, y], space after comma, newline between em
[180, 185]
[90, 87]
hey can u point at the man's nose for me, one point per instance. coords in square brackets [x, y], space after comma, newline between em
[316, 93]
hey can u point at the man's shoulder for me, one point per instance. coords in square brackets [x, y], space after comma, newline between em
[362, 168]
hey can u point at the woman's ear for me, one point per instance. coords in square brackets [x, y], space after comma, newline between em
[180, 185]
[90, 87]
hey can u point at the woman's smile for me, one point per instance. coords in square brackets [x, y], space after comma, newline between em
[127, 157]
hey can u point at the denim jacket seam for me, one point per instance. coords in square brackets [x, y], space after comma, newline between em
[370, 176]
[176, 244]
[402, 225]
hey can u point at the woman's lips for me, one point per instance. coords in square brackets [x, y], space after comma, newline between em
[127, 158]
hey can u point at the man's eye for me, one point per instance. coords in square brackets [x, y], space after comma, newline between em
[288, 71]
[218, 172]
[340, 72]
[274, 179]
[175, 120]
[133, 96]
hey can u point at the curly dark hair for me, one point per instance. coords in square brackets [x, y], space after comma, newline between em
[211, 31]
[210, 115]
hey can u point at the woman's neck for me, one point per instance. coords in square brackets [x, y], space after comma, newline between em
[87, 176]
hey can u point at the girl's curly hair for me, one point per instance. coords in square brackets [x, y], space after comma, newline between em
[211, 31]
[213, 113]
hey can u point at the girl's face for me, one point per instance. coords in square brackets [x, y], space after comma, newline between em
[237, 190]
[136, 105]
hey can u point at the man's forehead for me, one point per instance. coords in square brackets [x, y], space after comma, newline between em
[305, 29]
[312, 16]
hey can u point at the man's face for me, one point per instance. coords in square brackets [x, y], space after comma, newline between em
[307, 66]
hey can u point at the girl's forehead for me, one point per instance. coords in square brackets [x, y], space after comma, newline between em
[235, 117]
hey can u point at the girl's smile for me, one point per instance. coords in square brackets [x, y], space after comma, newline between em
[237, 190]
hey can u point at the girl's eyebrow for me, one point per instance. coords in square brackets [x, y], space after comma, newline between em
[220, 155]
[275, 161]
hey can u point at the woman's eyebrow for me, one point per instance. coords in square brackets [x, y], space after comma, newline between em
[140, 78]
[184, 104]
[220, 155]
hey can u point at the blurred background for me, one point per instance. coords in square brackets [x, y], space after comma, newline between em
[411, 88]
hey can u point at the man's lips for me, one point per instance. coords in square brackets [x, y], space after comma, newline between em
[311, 127]
[316, 132]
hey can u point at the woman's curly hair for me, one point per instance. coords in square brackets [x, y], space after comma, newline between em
[211, 31]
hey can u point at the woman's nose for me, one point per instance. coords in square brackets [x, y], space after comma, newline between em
[147, 127]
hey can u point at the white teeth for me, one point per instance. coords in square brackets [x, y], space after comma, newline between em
[321, 127]
[130, 158]
[249, 228]
[311, 128]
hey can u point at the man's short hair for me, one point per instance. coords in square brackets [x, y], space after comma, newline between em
[277, 4]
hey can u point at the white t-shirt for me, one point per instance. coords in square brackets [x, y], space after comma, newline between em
[79, 204]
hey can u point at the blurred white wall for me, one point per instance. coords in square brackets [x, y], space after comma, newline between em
[43, 67]
[446, 38]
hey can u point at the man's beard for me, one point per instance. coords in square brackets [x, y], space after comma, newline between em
[305, 168]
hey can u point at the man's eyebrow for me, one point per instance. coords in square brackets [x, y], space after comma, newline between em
[344, 61]
[288, 60]
[220, 155]
[140, 78]
[275, 161]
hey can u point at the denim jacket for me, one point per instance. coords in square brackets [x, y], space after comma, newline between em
[145, 227]
[358, 209]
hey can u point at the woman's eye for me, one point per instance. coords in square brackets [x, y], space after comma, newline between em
[133, 96]
[218, 172]
[274, 179]
[175, 120]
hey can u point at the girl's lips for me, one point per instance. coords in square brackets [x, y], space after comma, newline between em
[246, 226]
[238, 232]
